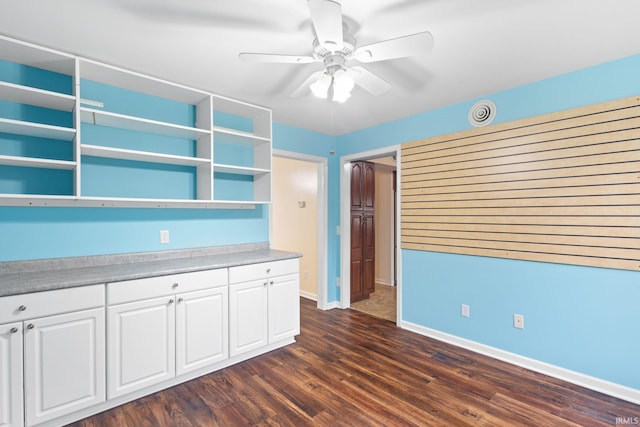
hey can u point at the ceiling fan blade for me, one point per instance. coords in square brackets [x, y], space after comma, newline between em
[368, 81]
[304, 86]
[414, 44]
[275, 58]
[326, 16]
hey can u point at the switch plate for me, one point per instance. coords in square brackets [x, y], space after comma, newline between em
[164, 236]
[464, 310]
[518, 321]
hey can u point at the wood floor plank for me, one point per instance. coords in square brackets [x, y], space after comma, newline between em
[350, 369]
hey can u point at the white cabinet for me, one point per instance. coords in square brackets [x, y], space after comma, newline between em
[140, 345]
[56, 343]
[63, 364]
[208, 151]
[202, 329]
[11, 375]
[264, 305]
[248, 307]
[156, 332]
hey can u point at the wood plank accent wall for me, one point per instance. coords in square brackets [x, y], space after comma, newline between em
[562, 187]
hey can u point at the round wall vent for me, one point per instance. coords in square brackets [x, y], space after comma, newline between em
[482, 113]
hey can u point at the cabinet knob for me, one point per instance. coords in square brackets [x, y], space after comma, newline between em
[30, 326]
[171, 301]
[180, 300]
[271, 282]
[14, 330]
[268, 270]
[22, 308]
[265, 283]
[175, 285]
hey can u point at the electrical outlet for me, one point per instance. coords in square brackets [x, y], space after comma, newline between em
[164, 236]
[464, 310]
[518, 321]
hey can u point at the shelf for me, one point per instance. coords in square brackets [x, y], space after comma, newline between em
[33, 162]
[38, 97]
[238, 137]
[133, 81]
[121, 121]
[239, 170]
[36, 56]
[39, 130]
[122, 202]
[141, 156]
[236, 134]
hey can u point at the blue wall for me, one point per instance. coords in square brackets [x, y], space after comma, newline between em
[583, 319]
[579, 318]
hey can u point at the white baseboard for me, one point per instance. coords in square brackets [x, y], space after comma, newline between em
[602, 386]
[332, 305]
[384, 282]
[308, 295]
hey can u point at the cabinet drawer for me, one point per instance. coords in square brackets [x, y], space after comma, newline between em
[38, 304]
[151, 287]
[245, 273]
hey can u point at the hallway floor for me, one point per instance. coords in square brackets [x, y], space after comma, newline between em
[381, 303]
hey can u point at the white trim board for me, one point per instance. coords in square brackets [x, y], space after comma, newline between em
[612, 389]
[345, 223]
[322, 163]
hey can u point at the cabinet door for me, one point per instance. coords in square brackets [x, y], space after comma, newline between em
[201, 329]
[357, 255]
[64, 364]
[368, 253]
[247, 316]
[141, 345]
[284, 307]
[11, 375]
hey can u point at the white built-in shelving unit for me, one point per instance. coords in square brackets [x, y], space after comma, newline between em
[215, 171]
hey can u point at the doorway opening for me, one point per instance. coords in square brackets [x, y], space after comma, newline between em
[299, 202]
[385, 301]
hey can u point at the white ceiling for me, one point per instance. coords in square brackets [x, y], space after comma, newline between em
[481, 47]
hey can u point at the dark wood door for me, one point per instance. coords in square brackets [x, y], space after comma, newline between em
[357, 252]
[368, 253]
[362, 230]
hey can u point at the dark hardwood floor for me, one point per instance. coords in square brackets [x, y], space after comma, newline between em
[351, 369]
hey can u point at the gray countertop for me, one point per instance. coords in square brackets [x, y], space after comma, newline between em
[22, 277]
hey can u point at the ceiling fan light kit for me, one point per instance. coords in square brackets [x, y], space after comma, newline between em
[335, 47]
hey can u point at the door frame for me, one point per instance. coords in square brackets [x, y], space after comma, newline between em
[345, 228]
[322, 165]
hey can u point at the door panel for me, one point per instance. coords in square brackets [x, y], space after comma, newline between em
[141, 344]
[247, 316]
[357, 289]
[368, 254]
[201, 329]
[284, 307]
[11, 375]
[64, 364]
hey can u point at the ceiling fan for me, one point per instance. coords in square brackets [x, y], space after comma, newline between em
[336, 48]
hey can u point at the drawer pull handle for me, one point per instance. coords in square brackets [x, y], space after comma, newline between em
[180, 300]
[30, 326]
[271, 282]
[171, 301]
[268, 270]
[175, 285]
[22, 308]
[13, 330]
[265, 283]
